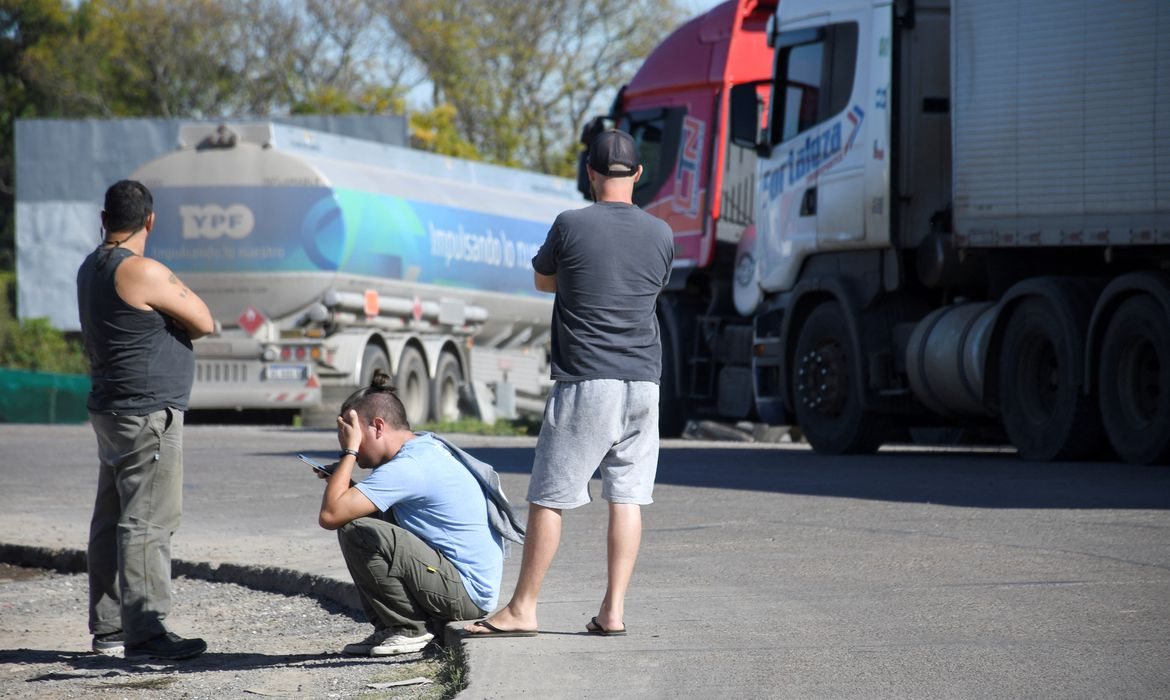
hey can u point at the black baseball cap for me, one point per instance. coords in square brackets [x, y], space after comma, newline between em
[613, 153]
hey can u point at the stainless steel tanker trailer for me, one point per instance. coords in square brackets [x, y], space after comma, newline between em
[325, 257]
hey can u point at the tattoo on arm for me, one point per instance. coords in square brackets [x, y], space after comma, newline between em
[183, 291]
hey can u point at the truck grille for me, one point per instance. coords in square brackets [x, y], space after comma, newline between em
[221, 372]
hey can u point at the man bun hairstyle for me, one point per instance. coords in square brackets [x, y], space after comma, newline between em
[378, 400]
[381, 382]
[128, 204]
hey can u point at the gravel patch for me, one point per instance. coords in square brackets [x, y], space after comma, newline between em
[259, 645]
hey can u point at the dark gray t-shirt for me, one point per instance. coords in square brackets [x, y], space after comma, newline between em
[611, 261]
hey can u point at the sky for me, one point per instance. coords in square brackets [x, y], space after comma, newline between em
[698, 7]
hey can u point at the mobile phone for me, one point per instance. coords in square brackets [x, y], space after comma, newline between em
[327, 471]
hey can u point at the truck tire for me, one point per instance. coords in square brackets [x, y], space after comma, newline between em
[672, 408]
[373, 358]
[1134, 381]
[414, 387]
[332, 395]
[1044, 412]
[445, 389]
[828, 409]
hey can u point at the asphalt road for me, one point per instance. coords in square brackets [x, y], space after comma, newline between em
[766, 571]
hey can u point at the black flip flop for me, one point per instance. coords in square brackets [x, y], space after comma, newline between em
[494, 631]
[594, 627]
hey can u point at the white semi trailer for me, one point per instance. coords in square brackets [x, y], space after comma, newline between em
[325, 258]
[962, 217]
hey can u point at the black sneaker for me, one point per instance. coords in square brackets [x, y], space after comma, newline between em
[109, 643]
[166, 646]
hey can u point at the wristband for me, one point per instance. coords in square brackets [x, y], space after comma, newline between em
[347, 451]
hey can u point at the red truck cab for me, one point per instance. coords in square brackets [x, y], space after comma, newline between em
[677, 109]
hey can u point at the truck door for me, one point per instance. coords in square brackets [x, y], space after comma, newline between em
[812, 185]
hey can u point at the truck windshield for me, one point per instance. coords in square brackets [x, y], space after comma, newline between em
[814, 78]
[657, 134]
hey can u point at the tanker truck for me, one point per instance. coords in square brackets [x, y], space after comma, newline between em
[958, 215]
[325, 258]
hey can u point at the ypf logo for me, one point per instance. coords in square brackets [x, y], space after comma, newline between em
[213, 221]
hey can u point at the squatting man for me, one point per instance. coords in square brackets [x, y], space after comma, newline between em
[423, 535]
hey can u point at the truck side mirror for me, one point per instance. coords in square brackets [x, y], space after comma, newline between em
[745, 116]
[583, 185]
[592, 128]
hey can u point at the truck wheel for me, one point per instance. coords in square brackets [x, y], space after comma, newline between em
[373, 358]
[672, 410]
[445, 388]
[414, 388]
[1134, 382]
[1044, 412]
[828, 409]
[332, 395]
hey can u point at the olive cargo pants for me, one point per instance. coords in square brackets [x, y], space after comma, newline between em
[138, 507]
[403, 582]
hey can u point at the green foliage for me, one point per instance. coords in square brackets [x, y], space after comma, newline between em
[446, 668]
[451, 678]
[473, 426]
[34, 344]
[437, 132]
[152, 58]
[328, 100]
[333, 100]
[382, 100]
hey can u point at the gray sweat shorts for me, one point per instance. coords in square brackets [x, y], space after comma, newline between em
[597, 423]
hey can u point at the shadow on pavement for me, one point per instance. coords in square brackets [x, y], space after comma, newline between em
[971, 479]
[96, 665]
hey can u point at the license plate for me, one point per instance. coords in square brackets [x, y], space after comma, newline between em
[286, 372]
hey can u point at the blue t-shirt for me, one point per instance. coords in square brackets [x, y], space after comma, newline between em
[435, 497]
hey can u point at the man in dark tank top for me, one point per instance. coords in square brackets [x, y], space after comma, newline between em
[137, 323]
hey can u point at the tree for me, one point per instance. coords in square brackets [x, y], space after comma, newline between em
[184, 58]
[332, 100]
[524, 76]
[511, 81]
[318, 56]
[207, 58]
[142, 58]
[23, 23]
[435, 131]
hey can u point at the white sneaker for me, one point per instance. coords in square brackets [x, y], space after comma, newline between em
[363, 647]
[109, 643]
[387, 642]
[401, 644]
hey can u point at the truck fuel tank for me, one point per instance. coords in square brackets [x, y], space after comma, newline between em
[946, 358]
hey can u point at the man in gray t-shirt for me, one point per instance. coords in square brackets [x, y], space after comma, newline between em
[606, 264]
[610, 261]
